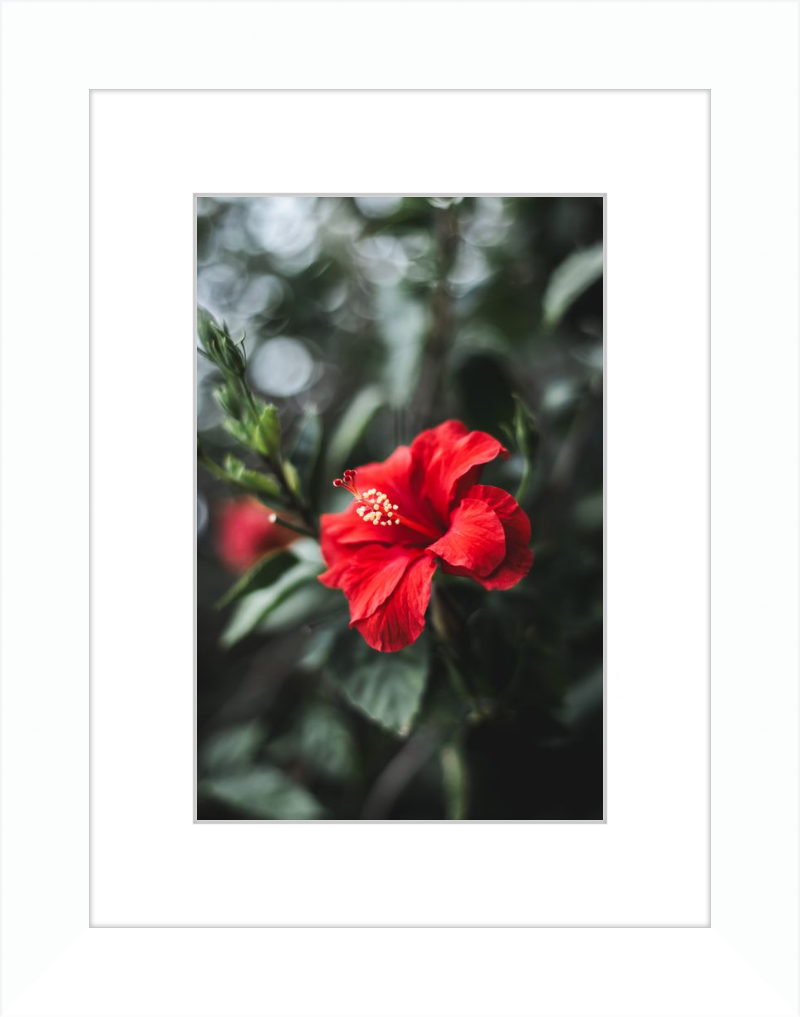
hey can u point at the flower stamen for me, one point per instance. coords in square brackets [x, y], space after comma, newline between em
[377, 508]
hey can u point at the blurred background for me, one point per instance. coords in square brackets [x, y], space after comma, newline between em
[368, 319]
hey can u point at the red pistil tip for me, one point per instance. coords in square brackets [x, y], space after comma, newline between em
[348, 482]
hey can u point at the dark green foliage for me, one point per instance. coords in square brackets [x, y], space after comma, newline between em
[386, 687]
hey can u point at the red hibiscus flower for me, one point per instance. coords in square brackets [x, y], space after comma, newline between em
[246, 531]
[421, 508]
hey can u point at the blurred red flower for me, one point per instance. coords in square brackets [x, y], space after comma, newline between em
[245, 532]
[421, 507]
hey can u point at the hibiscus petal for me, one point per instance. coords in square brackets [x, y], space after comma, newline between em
[475, 540]
[368, 575]
[427, 444]
[517, 527]
[339, 531]
[392, 476]
[400, 619]
[444, 455]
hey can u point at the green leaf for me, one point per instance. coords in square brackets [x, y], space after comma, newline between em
[572, 278]
[218, 345]
[306, 606]
[305, 453]
[251, 480]
[583, 700]
[388, 687]
[264, 793]
[254, 608]
[265, 572]
[229, 399]
[267, 436]
[322, 740]
[293, 479]
[307, 549]
[204, 330]
[308, 440]
[232, 749]
[319, 646]
[588, 512]
[404, 323]
[238, 431]
[352, 426]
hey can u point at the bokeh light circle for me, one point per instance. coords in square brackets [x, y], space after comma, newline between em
[282, 367]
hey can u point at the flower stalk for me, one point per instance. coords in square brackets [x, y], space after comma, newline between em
[455, 782]
[272, 459]
[255, 425]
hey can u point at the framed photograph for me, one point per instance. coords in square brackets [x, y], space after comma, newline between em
[372, 643]
[540, 728]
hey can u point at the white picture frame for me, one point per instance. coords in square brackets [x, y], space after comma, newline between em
[612, 884]
[740, 955]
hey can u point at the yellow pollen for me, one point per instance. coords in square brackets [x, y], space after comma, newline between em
[376, 507]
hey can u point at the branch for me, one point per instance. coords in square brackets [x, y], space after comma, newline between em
[400, 771]
[441, 333]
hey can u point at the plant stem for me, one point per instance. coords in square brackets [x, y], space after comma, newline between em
[276, 466]
[455, 783]
[399, 772]
[525, 480]
[441, 331]
[450, 627]
[297, 503]
[291, 526]
[221, 474]
[216, 471]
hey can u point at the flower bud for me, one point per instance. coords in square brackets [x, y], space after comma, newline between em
[246, 531]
